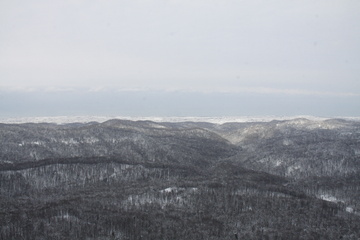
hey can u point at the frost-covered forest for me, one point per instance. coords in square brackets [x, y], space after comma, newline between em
[291, 179]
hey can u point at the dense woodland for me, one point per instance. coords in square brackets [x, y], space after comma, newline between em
[296, 179]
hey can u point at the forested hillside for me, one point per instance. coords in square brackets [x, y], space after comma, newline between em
[121, 179]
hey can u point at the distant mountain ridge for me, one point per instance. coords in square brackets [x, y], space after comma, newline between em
[146, 141]
[218, 120]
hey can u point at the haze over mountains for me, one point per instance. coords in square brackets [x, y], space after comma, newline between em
[218, 120]
[123, 179]
[193, 178]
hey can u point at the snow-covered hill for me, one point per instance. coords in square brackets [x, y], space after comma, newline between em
[180, 178]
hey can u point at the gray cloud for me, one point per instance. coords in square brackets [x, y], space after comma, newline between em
[245, 47]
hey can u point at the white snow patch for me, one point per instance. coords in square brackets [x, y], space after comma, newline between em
[330, 198]
[349, 209]
[157, 126]
[5, 161]
[169, 190]
[292, 169]
[278, 163]
[70, 141]
[177, 190]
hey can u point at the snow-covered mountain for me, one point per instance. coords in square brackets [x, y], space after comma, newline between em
[180, 178]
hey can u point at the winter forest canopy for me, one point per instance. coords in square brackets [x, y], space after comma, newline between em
[122, 179]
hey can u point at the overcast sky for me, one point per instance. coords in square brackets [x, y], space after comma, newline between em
[179, 57]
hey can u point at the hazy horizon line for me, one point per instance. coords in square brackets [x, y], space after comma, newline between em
[236, 90]
[210, 119]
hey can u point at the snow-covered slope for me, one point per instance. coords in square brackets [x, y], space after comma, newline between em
[184, 178]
